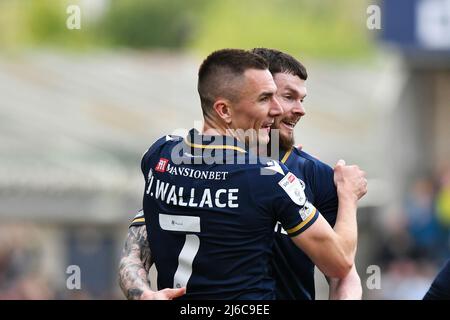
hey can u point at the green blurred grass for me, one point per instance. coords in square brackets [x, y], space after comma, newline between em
[28, 24]
[314, 28]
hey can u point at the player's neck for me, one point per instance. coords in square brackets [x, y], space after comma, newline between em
[211, 127]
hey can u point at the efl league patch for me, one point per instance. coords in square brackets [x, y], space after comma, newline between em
[302, 183]
[307, 210]
[162, 165]
[294, 188]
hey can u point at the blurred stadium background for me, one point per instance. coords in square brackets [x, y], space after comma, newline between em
[79, 107]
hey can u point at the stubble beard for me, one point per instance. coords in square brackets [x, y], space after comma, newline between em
[284, 143]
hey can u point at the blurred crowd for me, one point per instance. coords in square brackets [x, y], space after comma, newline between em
[413, 244]
[20, 275]
[29, 272]
[416, 242]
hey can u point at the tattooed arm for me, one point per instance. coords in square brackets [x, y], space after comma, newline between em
[134, 267]
[135, 264]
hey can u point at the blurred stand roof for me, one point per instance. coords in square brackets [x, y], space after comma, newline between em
[73, 127]
[420, 30]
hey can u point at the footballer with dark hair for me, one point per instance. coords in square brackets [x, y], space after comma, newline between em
[209, 225]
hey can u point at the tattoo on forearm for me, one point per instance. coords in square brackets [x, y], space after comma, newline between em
[135, 263]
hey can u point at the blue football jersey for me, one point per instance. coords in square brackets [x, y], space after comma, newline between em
[293, 269]
[210, 207]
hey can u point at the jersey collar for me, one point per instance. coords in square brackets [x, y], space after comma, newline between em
[196, 140]
[284, 156]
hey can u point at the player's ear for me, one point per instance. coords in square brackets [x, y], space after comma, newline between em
[223, 110]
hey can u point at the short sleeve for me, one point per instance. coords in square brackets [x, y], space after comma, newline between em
[284, 195]
[294, 210]
[321, 176]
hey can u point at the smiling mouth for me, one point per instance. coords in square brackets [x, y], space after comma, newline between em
[289, 124]
[267, 126]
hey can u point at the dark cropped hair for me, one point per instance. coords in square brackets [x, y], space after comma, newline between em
[220, 75]
[280, 62]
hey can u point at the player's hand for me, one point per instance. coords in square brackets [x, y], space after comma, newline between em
[350, 181]
[165, 294]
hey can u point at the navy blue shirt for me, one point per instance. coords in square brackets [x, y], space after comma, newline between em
[210, 223]
[292, 268]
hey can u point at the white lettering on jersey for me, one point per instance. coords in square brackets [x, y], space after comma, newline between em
[218, 193]
[293, 187]
[191, 200]
[174, 195]
[161, 189]
[196, 174]
[150, 180]
[206, 199]
[232, 198]
[180, 195]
